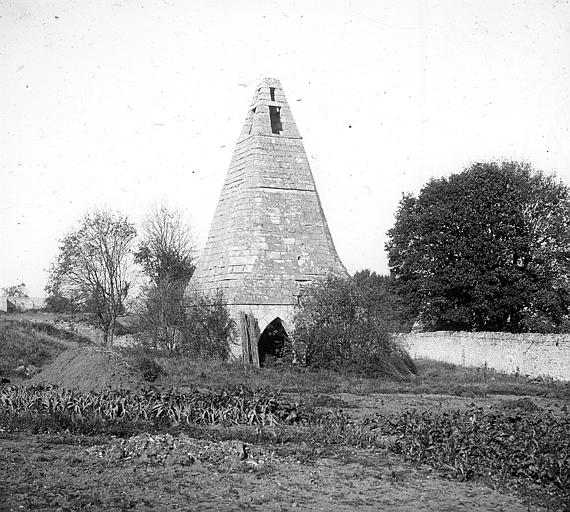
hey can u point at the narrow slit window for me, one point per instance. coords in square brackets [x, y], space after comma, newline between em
[275, 118]
[272, 93]
[251, 125]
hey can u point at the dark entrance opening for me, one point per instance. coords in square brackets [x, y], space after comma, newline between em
[271, 342]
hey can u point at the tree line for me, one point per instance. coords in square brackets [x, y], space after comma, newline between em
[101, 262]
[484, 249]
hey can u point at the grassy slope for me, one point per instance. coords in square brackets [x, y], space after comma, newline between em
[25, 343]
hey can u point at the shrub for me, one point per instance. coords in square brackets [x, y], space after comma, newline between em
[381, 295]
[161, 316]
[208, 328]
[148, 368]
[337, 327]
[200, 326]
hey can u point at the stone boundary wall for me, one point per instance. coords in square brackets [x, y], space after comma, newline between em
[535, 355]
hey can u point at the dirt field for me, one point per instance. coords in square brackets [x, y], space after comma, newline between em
[39, 472]
[164, 472]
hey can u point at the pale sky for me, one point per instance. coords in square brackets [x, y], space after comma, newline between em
[124, 103]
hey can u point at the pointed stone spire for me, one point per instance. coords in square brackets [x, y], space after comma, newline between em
[269, 113]
[269, 234]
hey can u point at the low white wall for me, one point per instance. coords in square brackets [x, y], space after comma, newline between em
[535, 355]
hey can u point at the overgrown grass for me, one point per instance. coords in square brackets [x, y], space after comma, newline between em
[433, 378]
[444, 378]
[25, 343]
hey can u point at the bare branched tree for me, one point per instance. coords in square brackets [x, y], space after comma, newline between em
[166, 255]
[167, 247]
[93, 270]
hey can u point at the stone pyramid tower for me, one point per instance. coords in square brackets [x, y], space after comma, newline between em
[269, 235]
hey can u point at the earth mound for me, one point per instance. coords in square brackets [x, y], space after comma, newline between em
[89, 369]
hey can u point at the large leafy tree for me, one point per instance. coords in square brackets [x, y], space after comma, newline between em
[378, 292]
[485, 249]
[92, 272]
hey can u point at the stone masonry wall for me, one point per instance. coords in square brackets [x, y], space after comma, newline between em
[529, 354]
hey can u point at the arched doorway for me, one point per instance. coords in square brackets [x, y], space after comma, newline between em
[271, 342]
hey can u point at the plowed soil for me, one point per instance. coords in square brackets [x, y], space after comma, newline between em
[39, 472]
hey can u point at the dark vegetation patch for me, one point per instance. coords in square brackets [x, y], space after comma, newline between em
[525, 451]
[147, 366]
[529, 449]
[322, 400]
[338, 326]
[526, 404]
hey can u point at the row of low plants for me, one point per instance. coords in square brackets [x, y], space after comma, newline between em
[235, 406]
[515, 446]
